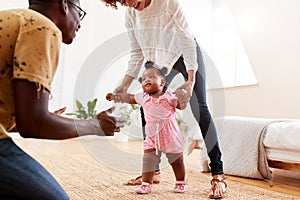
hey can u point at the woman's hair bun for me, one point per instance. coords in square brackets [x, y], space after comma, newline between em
[149, 64]
[164, 71]
[140, 79]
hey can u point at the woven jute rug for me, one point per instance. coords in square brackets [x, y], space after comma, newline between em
[84, 176]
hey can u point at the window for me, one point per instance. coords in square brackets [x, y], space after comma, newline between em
[227, 64]
[228, 52]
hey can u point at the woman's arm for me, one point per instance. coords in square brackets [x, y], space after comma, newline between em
[185, 36]
[123, 87]
[136, 54]
[184, 92]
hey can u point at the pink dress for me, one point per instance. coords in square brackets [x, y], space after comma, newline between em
[162, 130]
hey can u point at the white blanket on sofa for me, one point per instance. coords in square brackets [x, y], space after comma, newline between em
[241, 143]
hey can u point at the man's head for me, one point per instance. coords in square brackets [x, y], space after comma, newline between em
[66, 14]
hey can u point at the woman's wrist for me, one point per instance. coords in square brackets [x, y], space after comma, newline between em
[191, 83]
[126, 82]
[191, 77]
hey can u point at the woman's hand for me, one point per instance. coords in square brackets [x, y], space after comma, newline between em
[122, 88]
[183, 93]
[118, 97]
[118, 94]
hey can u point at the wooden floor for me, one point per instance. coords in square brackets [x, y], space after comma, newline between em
[283, 181]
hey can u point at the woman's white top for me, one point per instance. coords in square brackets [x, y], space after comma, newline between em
[159, 33]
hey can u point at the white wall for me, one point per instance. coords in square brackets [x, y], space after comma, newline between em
[100, 24]
[272, 42]
[85, 60]
[271, 38]
[11, 4]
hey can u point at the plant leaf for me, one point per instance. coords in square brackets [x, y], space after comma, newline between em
[79, 105]
[91, 108]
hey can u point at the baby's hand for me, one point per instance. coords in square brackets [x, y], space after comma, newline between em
[110, 96]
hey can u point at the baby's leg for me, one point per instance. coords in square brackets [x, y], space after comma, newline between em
[150, 160]
[176, 161]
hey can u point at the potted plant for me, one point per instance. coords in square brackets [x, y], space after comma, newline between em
[83, 112]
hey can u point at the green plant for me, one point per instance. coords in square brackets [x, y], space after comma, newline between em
[182, 124]
[127, 112]
[85, 113]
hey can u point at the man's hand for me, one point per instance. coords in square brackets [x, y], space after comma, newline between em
[60, 111]
[109, 124]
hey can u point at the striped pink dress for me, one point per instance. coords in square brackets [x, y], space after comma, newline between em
[162, 130]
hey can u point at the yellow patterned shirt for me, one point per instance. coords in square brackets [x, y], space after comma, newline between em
[29, 49]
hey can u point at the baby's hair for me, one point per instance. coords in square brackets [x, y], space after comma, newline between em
[162, 72]
[150, 65]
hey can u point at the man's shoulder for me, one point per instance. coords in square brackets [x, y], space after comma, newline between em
[19, 13]
[27, 18]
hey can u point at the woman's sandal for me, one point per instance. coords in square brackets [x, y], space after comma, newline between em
[138, 180]
[135, 181]
[217, 184]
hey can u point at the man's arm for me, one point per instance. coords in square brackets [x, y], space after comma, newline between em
[34, 120]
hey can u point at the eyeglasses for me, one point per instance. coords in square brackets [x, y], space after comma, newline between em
[82, 13]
